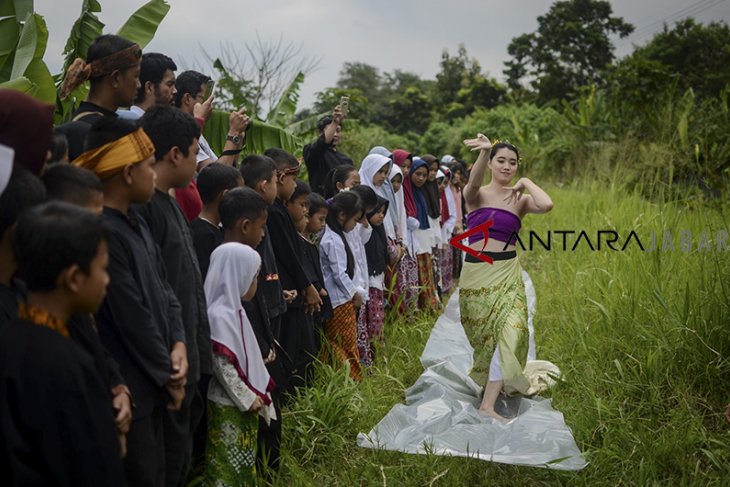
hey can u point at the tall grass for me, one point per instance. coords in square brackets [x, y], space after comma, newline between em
[643, 339]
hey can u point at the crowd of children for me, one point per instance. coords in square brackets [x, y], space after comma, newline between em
[133, 329]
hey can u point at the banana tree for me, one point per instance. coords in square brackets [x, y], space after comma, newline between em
[262, 135]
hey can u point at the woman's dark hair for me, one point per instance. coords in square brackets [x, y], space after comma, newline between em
[380, 203]
[349, 204]
[189, 82]
[316, 203]
[52, 237]
[152, 69]
[169, 127]
[456, 167]
[216, 178]
[241, 203]
[72, 184]
[337, 175]
[105, 130]
[503, 145]
[256, 168]
[323, 122]
[367, 195]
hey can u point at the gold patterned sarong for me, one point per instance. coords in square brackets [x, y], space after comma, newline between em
[494, 314]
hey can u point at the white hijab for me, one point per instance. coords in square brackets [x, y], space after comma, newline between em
[400, 206]
[369, 167]
[233, 268]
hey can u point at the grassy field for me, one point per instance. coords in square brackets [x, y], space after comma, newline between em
[643, 339]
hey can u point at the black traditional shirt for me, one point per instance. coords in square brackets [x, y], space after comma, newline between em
[139, 320]
[170, 231]
[56, 418]
[206, 237]
[320, 159]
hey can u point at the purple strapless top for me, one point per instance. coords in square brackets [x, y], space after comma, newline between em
[505, 224]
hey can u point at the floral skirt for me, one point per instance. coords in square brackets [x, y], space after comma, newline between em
[446, 269]
[231, 447]
[407, 282]
[375, 315]
[427, 297]
[494, 314]
[363, 337]
[341, 334]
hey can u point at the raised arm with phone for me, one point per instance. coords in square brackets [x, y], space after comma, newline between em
[322, 155]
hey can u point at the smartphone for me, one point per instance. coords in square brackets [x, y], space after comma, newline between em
[209, 87]
[344, 104]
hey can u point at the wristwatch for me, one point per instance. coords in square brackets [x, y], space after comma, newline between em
[234, 138]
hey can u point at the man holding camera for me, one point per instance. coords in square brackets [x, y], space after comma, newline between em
[322, 155]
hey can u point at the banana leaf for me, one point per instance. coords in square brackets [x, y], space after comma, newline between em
[26, 48]
[142, 25]
[259, 136]
[22, 8]
[9, 32]
[287, 105]
[86, 28]
[28, 61]
[20, 84]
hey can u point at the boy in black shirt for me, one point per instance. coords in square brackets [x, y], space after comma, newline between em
[214, 181]
[56, 420]
[140, 321]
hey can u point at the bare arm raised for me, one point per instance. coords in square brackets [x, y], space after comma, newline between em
[476, 176]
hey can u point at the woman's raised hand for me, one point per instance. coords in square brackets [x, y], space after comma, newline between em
[481, 142]
[516, 192]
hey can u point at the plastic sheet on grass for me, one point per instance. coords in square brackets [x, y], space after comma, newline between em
[440, 415]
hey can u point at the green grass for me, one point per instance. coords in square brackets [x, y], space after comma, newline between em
[643, 339]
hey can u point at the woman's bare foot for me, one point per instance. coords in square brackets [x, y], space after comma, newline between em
[492, 414]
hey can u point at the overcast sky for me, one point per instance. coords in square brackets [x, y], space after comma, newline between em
[404, 34]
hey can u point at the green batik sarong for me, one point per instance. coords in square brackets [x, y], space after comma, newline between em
[494, 314]
[231, 448]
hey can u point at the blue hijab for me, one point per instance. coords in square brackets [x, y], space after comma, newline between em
[418, 196]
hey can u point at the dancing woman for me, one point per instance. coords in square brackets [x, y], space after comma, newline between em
[492, 296]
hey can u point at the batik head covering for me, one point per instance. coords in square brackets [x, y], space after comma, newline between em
[369, 167]
[79, 71]
[108, 159]
[27, 127]
[233, 268]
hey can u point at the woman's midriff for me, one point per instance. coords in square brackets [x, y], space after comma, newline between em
[492, 246]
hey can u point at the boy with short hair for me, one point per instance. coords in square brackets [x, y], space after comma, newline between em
[175, 136]
[139, 321]
[214, 181]
[81, 187]
[266, 309]
[299, 339]
[56, 426]
[75, 185]
[316, 221]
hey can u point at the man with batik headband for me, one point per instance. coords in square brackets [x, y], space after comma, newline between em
[140, 320]
[112, 68]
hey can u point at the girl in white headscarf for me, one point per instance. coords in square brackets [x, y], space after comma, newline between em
[240, 389]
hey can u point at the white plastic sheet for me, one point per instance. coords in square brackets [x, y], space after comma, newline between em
[440, 415]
